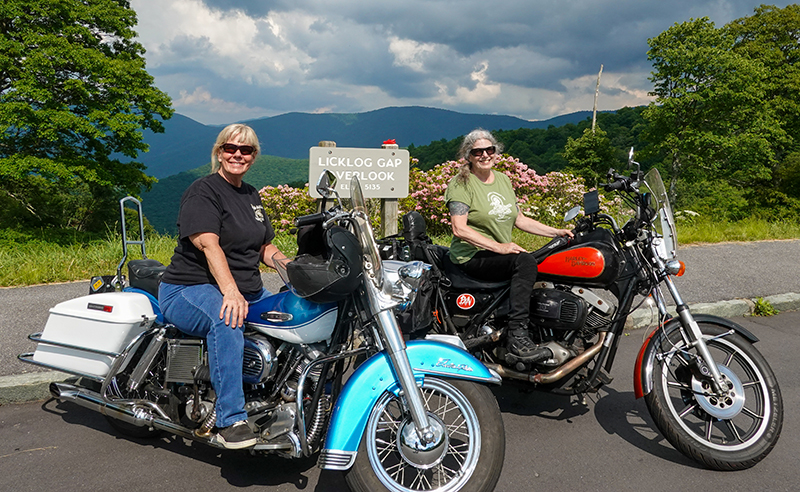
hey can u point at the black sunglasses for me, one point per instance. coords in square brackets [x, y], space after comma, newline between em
[479, 152]
[244, 149]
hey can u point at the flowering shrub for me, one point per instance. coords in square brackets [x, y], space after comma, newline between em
[542, 197]
[283, 203]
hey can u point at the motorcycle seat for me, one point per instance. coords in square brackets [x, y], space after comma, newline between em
[145, 274]
[461, 280]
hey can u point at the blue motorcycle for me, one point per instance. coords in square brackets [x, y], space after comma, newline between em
[326, 366]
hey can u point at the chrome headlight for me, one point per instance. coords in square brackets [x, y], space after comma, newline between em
[402, 280]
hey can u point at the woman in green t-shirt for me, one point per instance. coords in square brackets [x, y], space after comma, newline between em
[483, 212]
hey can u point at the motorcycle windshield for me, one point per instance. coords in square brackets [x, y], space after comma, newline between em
[369, 250]
[664, 223]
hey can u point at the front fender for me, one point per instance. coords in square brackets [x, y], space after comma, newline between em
[645, 361]
[374, 377]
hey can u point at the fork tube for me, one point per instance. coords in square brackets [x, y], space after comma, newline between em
[396, 349]
[693, 329]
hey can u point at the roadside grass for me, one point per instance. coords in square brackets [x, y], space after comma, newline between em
[750, 229]
[40, 261]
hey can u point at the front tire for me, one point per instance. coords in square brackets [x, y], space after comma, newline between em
[730, 433]
[475, 440]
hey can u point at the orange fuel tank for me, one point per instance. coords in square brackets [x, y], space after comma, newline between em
[592, 260]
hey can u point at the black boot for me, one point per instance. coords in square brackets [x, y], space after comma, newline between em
[521, 346]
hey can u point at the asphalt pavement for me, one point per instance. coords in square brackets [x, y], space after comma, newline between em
[722, 279]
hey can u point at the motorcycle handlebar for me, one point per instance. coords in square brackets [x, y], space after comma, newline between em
[309, 219]
[618, 181]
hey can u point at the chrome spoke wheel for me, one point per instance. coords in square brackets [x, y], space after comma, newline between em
[403, 463]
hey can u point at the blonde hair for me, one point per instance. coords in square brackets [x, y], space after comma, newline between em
[466, 146]
[246, 135]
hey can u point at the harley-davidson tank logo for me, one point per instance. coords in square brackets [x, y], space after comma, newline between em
[445, 363]
[579, 262]
[465, 301]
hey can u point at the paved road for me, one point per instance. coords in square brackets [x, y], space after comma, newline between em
[718, 272]
[553, 444]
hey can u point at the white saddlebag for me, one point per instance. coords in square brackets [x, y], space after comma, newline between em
[107, 322]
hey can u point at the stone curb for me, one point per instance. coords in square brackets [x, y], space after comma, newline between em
[34, 386]
[28, 387]
[648, 316]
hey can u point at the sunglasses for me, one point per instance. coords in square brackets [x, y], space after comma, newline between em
[479, 152]
[244, 149]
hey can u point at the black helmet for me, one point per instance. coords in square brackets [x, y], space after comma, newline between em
[332, 275]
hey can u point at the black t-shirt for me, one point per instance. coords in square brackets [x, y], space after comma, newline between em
[237, 216]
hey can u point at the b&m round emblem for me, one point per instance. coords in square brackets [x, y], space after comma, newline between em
[465, 301]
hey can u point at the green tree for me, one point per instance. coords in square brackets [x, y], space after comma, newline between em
[74, 97]
[590, 156]
[772, 36]
[709, 120]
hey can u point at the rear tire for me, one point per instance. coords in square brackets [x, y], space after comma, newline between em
[475, 448]
[731, 433]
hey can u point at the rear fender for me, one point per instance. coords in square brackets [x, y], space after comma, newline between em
[645, 362]
[375, 376]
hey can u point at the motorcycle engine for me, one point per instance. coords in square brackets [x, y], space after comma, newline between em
[573, 309]
[260, 361]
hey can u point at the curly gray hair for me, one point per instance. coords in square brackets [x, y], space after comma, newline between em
[467, 145]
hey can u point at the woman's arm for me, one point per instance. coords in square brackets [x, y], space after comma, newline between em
[270, 253]
[234, 306]
[531, 226]
[458, 220]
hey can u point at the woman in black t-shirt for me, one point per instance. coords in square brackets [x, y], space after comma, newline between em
[223, 234]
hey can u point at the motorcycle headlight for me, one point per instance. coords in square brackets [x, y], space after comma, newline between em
[403, 280]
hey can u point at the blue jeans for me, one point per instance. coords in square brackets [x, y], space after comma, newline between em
[194, 309]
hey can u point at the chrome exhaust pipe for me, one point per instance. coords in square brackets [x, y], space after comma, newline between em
[572, 364]
[93, 401]
[128, 413]
[556, 375]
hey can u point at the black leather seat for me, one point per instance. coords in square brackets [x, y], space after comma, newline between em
[440, 256]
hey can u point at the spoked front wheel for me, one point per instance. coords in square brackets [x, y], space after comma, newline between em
[730, 431]
[467, 454]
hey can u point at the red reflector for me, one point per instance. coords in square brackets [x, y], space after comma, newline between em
[100, 307]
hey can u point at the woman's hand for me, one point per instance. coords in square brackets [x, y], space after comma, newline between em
[509, 249]
[234, 308]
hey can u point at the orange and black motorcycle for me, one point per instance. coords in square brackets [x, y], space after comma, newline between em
[708, 389]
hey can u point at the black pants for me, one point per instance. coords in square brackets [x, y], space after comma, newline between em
[522, 270]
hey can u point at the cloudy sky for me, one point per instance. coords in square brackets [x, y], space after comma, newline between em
[224, 60]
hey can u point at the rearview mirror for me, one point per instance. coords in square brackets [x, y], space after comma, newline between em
[572, 213]
[326, 184]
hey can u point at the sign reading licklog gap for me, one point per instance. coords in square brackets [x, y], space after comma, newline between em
[383, 173]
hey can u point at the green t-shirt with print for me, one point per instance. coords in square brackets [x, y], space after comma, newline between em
[492, 211]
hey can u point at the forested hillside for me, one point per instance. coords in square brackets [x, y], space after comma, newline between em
[542, 149]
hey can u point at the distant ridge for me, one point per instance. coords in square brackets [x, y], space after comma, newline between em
[186, 144]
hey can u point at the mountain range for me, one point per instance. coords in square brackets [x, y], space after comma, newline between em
[182, 153]
[186, 143]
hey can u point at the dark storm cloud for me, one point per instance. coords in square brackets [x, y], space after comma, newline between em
[537, 57]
